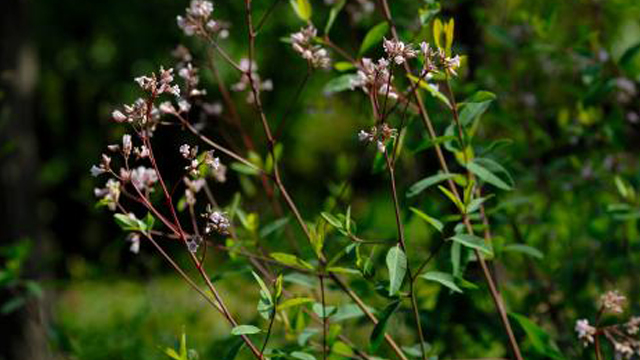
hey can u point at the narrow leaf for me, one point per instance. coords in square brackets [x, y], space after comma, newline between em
[245, 330]
[397, 265]
[302, 9]
[425, 183]
[473, 242]
[431, 221]
[373, 37]
[291, 260]
[525, 249]
[377, 335]
[487, 176]
[442, 278]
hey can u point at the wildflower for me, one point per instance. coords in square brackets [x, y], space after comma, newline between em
[197, 18]
[192, 246]
[109, 194]
[118, 116]
[302, 43]
[159, 86]
[126, 145]
[212, 162]
[191, 78]
[451, 64]
[184, 106]
[585, 331]
[167, 108]
[143, 178]
[623, 349]
[193, 187]
[380, 135]
[398, 51]
[134, 238]
[185, 150]
[633, 325]
[374, 77]
[97, 171]
[217, 222]
[612, 301]
[141, 152]
[220, 173]
[105, 166]
[245, 82]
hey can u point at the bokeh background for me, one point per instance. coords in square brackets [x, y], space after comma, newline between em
[566, 76]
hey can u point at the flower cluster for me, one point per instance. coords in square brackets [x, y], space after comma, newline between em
[143, 178]
[372, 77]
[216, 222]
[245, 82]
[302, 43]
[585, 331]
[109, 194]
[379, 135]
[437, 60]
[398, 52]
[621, 336]
[612, 301]
[197, 18]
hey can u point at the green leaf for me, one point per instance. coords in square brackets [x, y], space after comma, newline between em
[291, 260]
[476, 203]
[525, 249]
[128, 223]
[244, 169]
[273, 227]
[245, 330]
[325, 312]
[442, 278]
[477, 167]
[454, 199]
[431, 221]
[302, 355]
[264, 290]
[289, 303]
[473, 242]
[332, 220]
[377, 335]
[437, 32]
[172, 354]
[397, 265]
[431, 89]
[347, 311]
[343, 66]
[541, 341]
[425, 183]
[302, 8]
[475, 106]
[148, 222]
[342, 349]
[428, 12]
[416, 350]
[333, 14]
[338, 84]
[373, 37]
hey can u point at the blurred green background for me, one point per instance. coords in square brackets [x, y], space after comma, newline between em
[566, 76]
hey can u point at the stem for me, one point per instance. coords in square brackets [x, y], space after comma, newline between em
[324, 319]
[402, 243]
[496, 296]
[271, 321]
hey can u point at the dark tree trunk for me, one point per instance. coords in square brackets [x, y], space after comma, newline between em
[23, 329]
